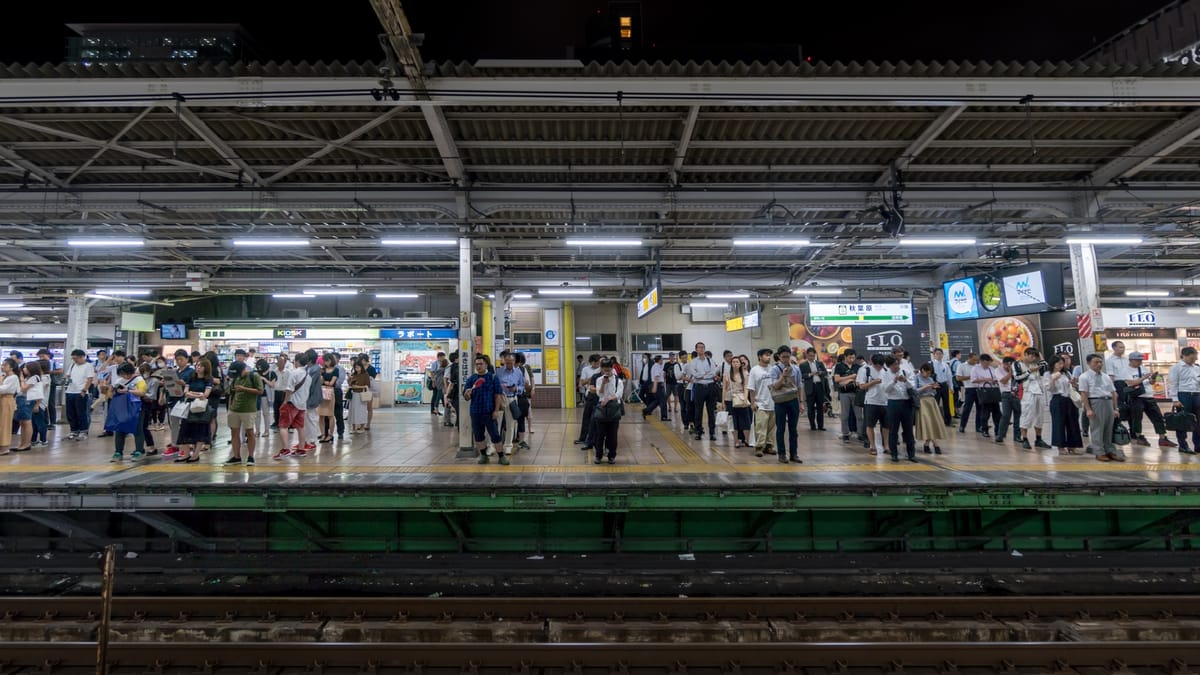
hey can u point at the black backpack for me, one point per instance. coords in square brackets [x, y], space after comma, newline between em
[669, 374]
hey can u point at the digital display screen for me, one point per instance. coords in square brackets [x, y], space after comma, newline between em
[960, 299]
[1029, 289]
[173, 331]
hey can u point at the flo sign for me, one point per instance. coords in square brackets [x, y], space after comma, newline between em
[1143, 319]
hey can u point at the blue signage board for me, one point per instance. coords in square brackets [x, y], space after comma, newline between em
[418, 334]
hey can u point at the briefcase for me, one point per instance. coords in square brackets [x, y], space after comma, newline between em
[1180, 421]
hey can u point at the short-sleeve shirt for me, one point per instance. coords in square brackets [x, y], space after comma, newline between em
[483, 390]
[36, 391]
[761, 379]
[241, 401]
[875, 395]
[77, 376]
[298, 383]
[1096, 385]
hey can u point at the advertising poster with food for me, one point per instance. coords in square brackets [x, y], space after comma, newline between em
[1009, 335]
[829, 341]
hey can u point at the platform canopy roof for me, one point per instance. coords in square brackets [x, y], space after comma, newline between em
[521, 156]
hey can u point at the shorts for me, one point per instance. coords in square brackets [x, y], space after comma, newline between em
[875, 414]
[241, 420]
[1033, 411]
[24, 410]
[290, 417]
[482, 423]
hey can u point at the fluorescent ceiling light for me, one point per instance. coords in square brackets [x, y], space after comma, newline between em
[777, 242]
[522, 296]
[268, 242]
[105, 243]
[727, 296]
[11, 305]
[1105, 241]
[603, 242]
[817, 291]
[392, 296]
[564, 291]
[1148, 294]
[937, 241]
[722, 305]
[292, 295]
[331, 291]
[122, 291]
[32, 309]
[418, 242]
[1193, 310]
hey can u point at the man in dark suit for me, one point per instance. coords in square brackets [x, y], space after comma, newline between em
[816, 388]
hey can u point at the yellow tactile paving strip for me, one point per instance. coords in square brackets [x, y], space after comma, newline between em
[413, 442]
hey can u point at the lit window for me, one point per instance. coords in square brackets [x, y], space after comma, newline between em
[627, 22]
[626, 33]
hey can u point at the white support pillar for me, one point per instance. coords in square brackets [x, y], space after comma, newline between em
[466, 343]
[78, 311]
[1085, 274]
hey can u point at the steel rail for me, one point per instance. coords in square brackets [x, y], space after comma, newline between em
[615, 609]
[176, 657]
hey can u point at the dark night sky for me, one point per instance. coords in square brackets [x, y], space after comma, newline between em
[833, 30]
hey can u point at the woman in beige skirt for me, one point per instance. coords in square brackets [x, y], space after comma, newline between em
[931, 428]
[9, 384]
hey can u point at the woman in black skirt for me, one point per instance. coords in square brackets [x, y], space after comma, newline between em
[195, 431]
[1064, 414]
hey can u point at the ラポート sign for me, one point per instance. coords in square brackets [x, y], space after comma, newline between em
[860, 313]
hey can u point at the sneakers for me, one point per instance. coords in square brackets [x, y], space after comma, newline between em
[137, 454]
[234, 460]
[1166, 443]
[309, 446]
[522, 445]
[1142, 442]
[282, 454]
[1042, 444]
[504, 460]
[250, 461]
[170, 451]
[72, 436]
[300, 452]
[116, 458]
[484, 459]
[1025, 444]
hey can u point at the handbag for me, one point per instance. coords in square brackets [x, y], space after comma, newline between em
[1120, 434]
[198, 406]
[1180, 421]
[365, 395]
[514, 408]
[786, 392]
[124, 414]
[1075, 398]
[180, 410]
[722, 418]
[988, 394]
[611, 411]
[326, 392]
[740, 400]
[860, 398]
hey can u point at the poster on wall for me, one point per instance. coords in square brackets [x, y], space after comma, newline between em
[1008, 336]
[882, 340]
[1060, 335]
[533, 359]
[829, 341]
[965, 341]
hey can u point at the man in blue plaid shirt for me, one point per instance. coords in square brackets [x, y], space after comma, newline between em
[483, 391]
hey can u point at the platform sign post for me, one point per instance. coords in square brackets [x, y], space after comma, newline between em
[466, 344]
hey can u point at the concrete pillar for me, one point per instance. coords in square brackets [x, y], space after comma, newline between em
[1085, 274]
[78, 311]
[570, 384]
[466, 343]
[937, 319]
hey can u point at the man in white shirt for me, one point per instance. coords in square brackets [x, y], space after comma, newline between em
[870, 379]
[724, 370]
[1028, 373]
[275, 382]
[294, 388]
[963, 375]
[701, 372]
[945, 379]
[589, 402]
[1140, 398]
[80, 377]
[1183, 385]
[1115, 365]
[758, 390]
[658, 391]
[1100, 404]
[683, 391]
[896, 385]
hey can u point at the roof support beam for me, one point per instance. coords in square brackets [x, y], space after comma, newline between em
[920, 143]
[12, 157]
[112, 142]
[41, 128]
[685, 139]
[1166, 141]
[330, 146]
[400, 36]
[227, 153]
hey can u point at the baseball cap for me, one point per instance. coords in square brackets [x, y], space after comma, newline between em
[1136, 356]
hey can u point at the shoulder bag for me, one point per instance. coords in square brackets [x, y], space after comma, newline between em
[787, 391]
[988, 394]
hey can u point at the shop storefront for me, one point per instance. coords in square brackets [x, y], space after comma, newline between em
[1157, 333]
[400, 349]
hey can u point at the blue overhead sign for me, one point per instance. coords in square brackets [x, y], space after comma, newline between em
[418, 334]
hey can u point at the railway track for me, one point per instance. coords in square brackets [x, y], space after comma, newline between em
[1095, 634]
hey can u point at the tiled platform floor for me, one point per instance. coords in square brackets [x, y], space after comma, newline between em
[410, 447]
